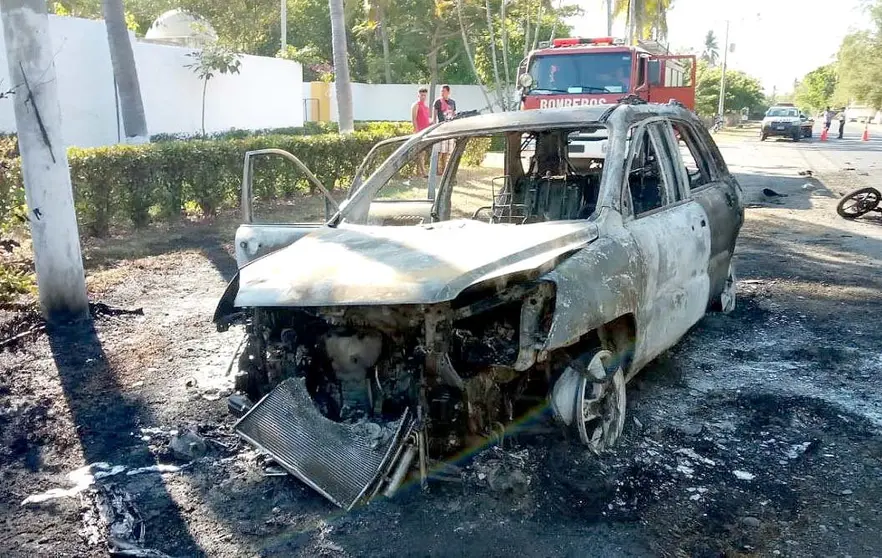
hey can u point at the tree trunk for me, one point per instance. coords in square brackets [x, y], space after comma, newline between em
[204, 90]
[498, 82]
[384, 36]
[468, 51]
[61, 283]
[508, 77]
[342, 85]
[538, 25]
[123, 59]
[433, 72]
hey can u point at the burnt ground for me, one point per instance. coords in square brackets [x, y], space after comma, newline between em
[757, 435]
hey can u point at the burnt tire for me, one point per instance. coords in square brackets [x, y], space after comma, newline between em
[859, 202]
[725, 301]
[603, 405]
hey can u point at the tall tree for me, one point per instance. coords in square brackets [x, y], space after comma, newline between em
[860, 73]
[711, 52]
[342, 84]
[61, 283]
[650, 18]
[377, 11]
[742, 90]
[124, 70]
[816, 89]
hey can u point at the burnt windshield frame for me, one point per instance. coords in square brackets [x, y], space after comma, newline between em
[581, 72]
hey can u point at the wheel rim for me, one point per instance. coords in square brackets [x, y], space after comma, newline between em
[601, 410]
[860, 203]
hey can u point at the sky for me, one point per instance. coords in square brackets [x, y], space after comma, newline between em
[776, 41]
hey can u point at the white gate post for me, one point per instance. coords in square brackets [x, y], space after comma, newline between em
[57, 257]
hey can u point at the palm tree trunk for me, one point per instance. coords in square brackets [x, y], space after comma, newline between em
[123, 60]
[342, 84]
[498, 83]
[30, 56]
[384, 36]
[504, 36]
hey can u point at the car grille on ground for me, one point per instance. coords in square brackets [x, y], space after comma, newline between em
[336, 459]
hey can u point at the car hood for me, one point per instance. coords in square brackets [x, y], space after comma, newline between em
[358, 265]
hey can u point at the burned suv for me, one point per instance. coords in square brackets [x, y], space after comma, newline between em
[425, 316]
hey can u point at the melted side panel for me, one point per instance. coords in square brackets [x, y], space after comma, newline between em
[595, 286]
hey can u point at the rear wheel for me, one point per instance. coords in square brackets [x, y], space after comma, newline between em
[859, 202]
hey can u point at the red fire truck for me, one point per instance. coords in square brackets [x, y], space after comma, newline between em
[592, 71]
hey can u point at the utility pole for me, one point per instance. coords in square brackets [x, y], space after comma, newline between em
[61, 283]
[722, 103]
[284, 26]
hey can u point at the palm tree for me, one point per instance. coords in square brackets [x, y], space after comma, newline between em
[122, 59]
[341, 67]
[650, 17]
[711, 53]
[377, 14]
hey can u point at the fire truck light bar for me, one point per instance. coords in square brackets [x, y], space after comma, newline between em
[572, 41]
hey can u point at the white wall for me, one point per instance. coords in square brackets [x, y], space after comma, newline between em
[378, 101]
[266, 93]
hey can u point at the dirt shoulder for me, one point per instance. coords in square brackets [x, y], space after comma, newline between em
[757, 435]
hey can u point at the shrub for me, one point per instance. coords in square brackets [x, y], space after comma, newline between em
[137, 183]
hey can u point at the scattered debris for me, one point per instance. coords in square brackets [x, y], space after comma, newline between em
[115, 518]
[807, 172]
[81, 479]
[751, 522]
[238, 405]
[743, 475]
[188, 445]
[503, 471]
[768, 192]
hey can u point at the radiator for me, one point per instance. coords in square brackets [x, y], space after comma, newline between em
[343, 462]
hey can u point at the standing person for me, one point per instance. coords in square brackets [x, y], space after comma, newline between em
[445, 109]
[841, 122]
[421, 119]
[828, 118]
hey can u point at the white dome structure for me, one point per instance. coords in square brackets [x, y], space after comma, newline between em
[180, 28]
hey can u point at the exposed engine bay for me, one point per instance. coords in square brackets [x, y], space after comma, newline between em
[467, 370]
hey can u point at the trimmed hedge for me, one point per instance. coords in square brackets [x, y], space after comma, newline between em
[387, 128]
[154, 182]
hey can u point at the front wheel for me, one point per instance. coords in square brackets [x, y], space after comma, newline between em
[763, 137]
[857, 203]
[591, 399]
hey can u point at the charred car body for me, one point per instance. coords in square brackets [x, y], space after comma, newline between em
[375, 349]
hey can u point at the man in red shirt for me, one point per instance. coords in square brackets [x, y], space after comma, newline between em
[421, 119]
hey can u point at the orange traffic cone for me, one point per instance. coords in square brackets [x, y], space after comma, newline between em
[824, 134]
[866, 136]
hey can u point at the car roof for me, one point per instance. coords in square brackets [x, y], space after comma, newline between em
[547, 118]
